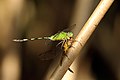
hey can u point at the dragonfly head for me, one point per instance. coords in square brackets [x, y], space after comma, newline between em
[70, 34]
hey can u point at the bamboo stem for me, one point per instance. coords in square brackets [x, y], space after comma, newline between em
[82, 37]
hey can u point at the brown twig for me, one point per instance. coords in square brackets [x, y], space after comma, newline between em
[82, 37]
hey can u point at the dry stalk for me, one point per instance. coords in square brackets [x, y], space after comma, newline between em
[82, 37]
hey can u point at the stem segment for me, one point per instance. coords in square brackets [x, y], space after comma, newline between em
[82, 37]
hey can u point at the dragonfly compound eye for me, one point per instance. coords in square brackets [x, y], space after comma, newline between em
[70, 34]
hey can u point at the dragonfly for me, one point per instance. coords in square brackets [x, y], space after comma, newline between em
[65, 38]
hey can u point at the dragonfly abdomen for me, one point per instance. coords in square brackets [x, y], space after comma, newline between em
[25, 39]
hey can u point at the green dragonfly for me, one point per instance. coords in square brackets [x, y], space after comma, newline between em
[61, 36]
[65, 38]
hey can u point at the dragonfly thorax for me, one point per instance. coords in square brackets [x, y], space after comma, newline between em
[61, 36]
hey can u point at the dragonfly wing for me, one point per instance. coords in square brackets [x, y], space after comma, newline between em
[50, 54]
[69, 28]
[47, 55]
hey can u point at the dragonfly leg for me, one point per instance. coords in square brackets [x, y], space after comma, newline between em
[59, 43]
[63, 42]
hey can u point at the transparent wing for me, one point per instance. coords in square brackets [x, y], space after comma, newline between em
[69, 28]
[52, 53]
